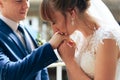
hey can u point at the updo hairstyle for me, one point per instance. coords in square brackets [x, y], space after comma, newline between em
[48, 7]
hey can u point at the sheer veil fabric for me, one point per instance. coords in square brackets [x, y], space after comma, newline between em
[101, 12]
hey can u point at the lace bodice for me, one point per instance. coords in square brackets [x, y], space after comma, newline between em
[86, 48]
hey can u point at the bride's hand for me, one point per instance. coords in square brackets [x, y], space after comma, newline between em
[67, 50]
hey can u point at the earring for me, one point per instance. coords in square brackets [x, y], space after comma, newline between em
[72, 22]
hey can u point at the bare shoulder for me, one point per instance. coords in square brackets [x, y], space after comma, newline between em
[109, 47]
[107, 55]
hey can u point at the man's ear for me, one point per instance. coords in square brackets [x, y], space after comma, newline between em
[0, 4]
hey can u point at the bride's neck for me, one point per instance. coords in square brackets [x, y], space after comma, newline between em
[87, 25]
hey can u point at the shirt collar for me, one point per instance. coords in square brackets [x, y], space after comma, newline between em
[12, 24]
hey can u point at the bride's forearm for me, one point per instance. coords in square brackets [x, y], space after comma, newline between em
[75, 72]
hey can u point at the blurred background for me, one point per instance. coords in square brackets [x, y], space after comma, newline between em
[57, 70]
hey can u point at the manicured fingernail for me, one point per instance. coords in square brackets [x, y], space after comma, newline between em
[69, 45]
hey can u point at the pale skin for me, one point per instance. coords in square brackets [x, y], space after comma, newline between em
[16, 10]
[106, 55]
[106, 60]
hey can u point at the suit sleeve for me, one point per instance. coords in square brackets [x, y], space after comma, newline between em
[29, 66]
[44, 74]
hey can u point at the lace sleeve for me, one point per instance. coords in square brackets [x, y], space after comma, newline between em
[105, 33]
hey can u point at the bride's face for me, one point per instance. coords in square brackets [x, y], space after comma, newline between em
[61, 23]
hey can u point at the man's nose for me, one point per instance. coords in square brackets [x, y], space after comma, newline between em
[26, 4]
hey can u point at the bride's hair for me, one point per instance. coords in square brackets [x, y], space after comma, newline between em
[48, 7]
[64, 5]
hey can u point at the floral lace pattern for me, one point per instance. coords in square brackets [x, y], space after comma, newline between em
[84, 54]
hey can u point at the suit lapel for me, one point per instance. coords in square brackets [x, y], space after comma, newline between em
[18, 43]
[10, 34]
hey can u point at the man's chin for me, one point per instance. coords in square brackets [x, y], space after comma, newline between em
[22, 18]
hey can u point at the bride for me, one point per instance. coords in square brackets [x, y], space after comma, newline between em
[90, 24]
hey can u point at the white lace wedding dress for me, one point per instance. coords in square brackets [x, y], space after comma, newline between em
[85, 56]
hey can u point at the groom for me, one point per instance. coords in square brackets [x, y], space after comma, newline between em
[16, 61]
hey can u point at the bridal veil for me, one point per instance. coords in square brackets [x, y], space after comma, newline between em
[101, 12]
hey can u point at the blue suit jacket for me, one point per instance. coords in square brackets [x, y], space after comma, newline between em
[16, 63]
